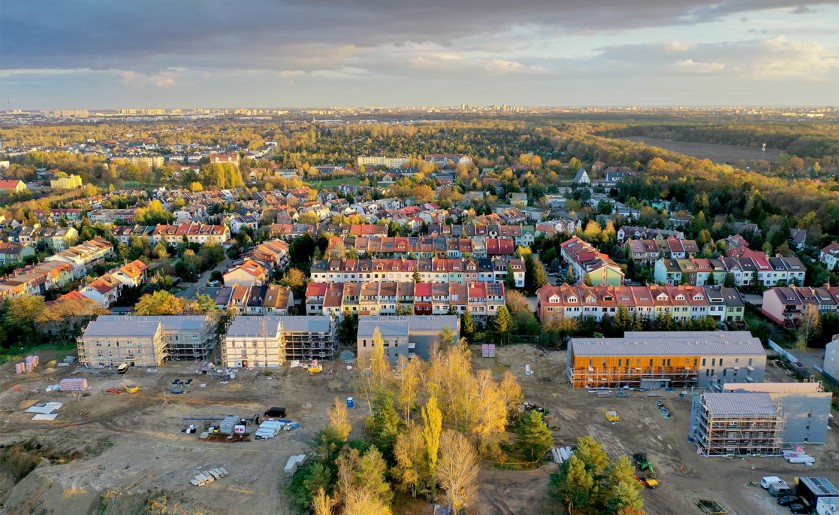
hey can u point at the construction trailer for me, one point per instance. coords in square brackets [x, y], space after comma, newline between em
[737, 424]
[811, 489]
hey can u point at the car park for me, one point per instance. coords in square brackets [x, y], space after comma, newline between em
[786, 500]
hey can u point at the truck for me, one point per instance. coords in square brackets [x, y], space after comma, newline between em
[827, 506]
[811, 489]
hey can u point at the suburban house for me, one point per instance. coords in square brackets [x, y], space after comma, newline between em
[785, 305]
[248, 273]
[830, 256]
[682, 303]
[12, 186]
[589, 264]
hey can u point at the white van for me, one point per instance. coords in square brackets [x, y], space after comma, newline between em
[768, 480]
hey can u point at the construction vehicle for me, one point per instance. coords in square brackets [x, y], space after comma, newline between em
[612, 415]
[123, 368]
[131, 388]
[644, 471]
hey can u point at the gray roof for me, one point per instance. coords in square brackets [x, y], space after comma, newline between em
[245, 326]
[388, 327]
[121, 326]
[734, 404]
[659, 343]
[170, 322]
[320, 324]
[402, 325]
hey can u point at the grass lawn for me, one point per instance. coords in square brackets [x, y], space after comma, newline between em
[18, 354]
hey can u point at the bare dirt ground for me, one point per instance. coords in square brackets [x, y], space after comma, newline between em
[684, 476]
[146, 456]
[716, 152]
[135, 457]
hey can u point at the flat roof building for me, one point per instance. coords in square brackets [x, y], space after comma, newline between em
[405, 335]
[268, 341]
[654, 359]
[110, 341]
[806, 408]
[736, 424]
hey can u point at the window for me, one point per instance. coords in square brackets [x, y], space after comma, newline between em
[714, 362]
[703, 362]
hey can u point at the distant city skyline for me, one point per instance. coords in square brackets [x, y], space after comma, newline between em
[289, 53]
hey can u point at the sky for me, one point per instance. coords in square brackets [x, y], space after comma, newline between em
[101, 54]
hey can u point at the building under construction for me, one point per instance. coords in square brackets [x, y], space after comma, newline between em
[651, 360]
[737, 424]
[309, 337]
[268, 341]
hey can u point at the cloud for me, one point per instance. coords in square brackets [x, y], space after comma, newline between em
[691, 66]
[162, 80]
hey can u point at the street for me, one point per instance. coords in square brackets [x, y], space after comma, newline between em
[191, 290]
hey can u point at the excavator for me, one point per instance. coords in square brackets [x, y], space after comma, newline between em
[644, 471]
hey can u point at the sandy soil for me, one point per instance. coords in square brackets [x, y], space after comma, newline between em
[138, 456]
[684, 476]
[714, 151]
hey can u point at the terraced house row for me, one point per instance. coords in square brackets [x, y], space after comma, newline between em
[481, 300]
[425, 246]
[681, 302]
[434, 270]
[200, 234]
[745, 266]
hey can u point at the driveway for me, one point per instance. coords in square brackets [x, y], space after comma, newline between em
[191, 290]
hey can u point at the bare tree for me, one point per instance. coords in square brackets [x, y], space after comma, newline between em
[458, 470]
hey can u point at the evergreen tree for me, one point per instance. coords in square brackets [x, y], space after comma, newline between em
[503, 321]
[467, 325]
[535, 437]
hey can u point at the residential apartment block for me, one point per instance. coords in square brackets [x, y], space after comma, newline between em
[745, 266]
[628, 232]
[434, 270]
[806, 408]
[109, 340]
[785, 305]
[425, 246]
[84, 255]
[651, 359]
[481, 300]
[589, 264]
[268, 341]
[646, 252]
[193, 232]
[387, 162]
[267, 299]
[736, 424]
[649, 302]
[407, 336]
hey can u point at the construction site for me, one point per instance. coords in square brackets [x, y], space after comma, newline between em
[139, 452]
[737, 424]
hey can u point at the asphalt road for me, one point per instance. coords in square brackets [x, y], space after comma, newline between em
[191, 290]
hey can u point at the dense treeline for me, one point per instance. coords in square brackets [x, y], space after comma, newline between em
[818, 141]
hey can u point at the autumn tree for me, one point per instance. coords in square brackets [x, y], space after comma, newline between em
[338, 420]
[489, 413]
[433, 424]
[20, 315]
[511, 391]
[322, 504]
[411, 469]
[160, 303]
[411, 373]
[383, 425]
[624, 491]
[810, 323]
[458, 470]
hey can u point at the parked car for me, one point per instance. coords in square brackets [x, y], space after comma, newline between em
[768, 480]
[786, 500]
[798, 508]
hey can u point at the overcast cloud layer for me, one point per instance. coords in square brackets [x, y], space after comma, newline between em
[261, 53]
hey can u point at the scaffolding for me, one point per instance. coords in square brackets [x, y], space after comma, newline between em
[634, 377]
[753, 432]
[309, 344]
